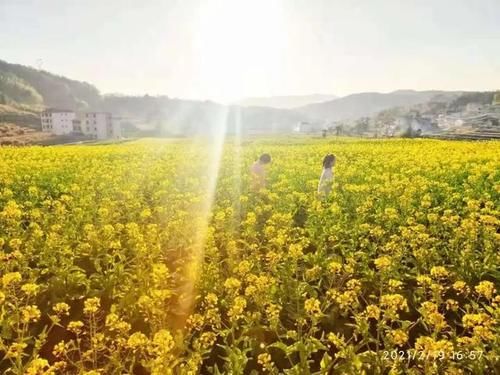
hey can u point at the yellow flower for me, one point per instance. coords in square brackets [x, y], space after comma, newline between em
[244, 267]
[313, 273]
[232, 284]
[236, 311]
[273, 313]
[484, 333]
[348, 299]
[30, 314]
[460, 286]
[75, 327]
[160, 274]
[137, 341]
[16, 350]
[11, 278]
[207, 339]
[312, 307]
[426, 201]
[335, 267]
[439, 272]
[373, 312]
[429, 308]
[480, 324]
[436, 320]
[61, 308]
[59, 349]
[12, 211]
[114, 323]
[433, 218]
[195, 321]
[163, 341]
[486, 289]
[424, 280]
[211, 299]
[265, 360]
[273, 258]
[295, 251]
[37, 366]
[15, 243]
[433, 348]
[91, 305]
[382, 262]
[30, 289]
[398, 337]
[354, 285]
[391, 213]
[146, 213]
[393, 301]
[473, 320]
[336, 340]
[395, 284]
[250, 290]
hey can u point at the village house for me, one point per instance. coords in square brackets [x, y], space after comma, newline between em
[97, 125]
[57, 121]
[305, 127]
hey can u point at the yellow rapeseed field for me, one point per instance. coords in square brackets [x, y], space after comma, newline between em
[156, 257]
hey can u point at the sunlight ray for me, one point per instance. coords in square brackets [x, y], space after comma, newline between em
[211, 144]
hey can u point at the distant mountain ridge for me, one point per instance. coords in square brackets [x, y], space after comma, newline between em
[369, 103]
[24, 91]
[285, 101]
[23, 88]
[173, 116]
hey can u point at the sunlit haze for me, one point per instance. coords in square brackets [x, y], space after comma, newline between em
[225, 50]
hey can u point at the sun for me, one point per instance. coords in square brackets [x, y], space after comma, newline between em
[239, 46]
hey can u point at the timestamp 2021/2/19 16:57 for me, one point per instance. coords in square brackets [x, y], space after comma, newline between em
[416, 355]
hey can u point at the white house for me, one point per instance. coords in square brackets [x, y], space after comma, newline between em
[98, 125]
[496, 99]
[451, 121]
[58, 121]
[304, 127]
[473, 108]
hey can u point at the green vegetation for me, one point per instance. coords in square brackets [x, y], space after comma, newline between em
[24, 85]
[15, 90]
[118, 259]
[471, 97]
[20, 115]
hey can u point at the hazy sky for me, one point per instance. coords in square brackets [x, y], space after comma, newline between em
[228, 49]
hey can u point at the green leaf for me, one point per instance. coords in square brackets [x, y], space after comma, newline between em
[325, 361]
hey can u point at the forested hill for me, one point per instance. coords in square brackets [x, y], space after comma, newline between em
[23, 85]
[24, 89]
[369, 103]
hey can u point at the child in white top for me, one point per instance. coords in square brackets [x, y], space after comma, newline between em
[326, 179]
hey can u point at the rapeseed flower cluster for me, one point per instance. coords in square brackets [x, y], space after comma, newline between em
[145, 258]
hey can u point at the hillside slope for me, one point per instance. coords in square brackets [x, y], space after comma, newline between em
[25, 91]
[285, 102]
[25, 85]
[23, 115]
[367, 104]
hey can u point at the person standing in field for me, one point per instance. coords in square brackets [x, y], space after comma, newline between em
[258, 172]
[326, 179]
